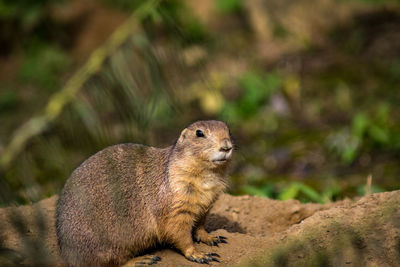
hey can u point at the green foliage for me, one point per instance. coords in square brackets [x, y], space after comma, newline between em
[125, 4]
[266, 190]
[43, 65]
[365, 133]
[181, 21]
[293, 190]
[256, 90]
[374, 189]
[345, 94]
[229, 6]
[26, 13]
[24, 20]
[8, 100]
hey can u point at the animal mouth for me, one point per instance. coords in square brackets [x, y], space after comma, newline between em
[221, 160]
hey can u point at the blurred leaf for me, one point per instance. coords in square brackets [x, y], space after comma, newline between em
[345, 145]
[229, 112]
[360, 124]
[182, 21]
[382, 115]
[194, 31]
[272, 82]
[290, 192]
[310, 193]
[330, 192]
[378, 134]
[229, 6]
[268, 189]
[349, 152]
[254, 191]
[295, 189]
[256, 91]
[374, 189]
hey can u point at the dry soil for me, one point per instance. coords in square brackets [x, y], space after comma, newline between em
[260, 232]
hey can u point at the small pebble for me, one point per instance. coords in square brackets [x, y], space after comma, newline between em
[236, 210]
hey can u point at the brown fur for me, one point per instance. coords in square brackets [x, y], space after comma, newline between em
[128, 198]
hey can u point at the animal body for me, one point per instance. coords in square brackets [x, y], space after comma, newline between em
[129, 197]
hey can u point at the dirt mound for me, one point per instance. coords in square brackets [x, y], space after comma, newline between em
[260, 231]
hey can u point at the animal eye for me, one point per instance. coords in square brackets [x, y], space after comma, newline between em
[199, 133]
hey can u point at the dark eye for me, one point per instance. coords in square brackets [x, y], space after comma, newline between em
[199, 133]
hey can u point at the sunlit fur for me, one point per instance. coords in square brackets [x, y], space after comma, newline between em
[127, 198]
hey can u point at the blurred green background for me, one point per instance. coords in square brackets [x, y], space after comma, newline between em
[309, 88]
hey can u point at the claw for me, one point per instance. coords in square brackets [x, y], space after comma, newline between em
[211, 256]
[202, 260]
[214, 259]
[145, 261]
[222, 239]
[206, 258]
[214, 243]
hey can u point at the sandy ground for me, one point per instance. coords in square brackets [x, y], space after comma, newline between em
[260, 232]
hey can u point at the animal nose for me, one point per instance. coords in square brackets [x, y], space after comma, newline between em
[227, 146]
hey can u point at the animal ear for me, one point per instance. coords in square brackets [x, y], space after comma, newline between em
[182, 136]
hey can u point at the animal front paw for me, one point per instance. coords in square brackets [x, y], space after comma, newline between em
[212, 240]
[204, 258]
[142, 261]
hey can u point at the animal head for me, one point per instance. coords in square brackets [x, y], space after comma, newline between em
[206, 142]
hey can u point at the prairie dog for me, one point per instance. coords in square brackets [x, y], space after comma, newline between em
[129, 197]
